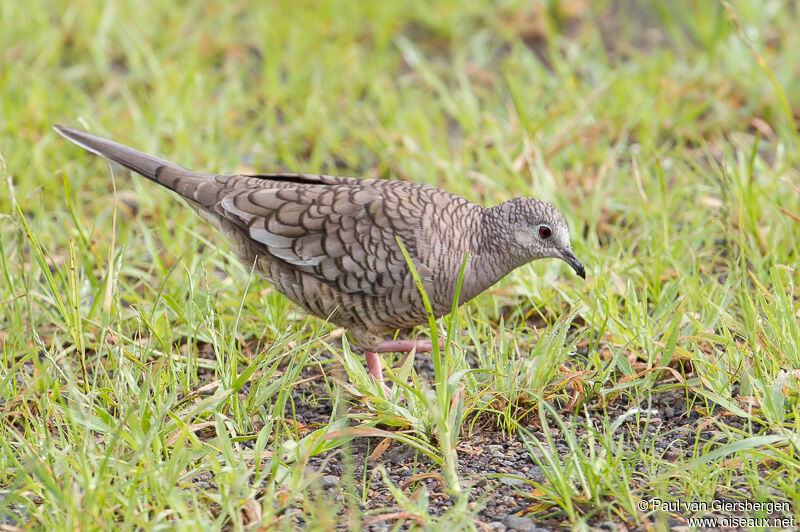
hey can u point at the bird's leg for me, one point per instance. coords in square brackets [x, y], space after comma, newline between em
[423, 345]
[375, 368]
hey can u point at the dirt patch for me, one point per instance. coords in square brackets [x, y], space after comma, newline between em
[497, 467]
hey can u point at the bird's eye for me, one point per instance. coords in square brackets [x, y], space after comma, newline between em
[545, 232]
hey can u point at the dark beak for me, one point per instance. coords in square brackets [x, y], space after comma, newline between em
[570, 258]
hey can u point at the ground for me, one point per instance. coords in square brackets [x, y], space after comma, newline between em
[149, 380]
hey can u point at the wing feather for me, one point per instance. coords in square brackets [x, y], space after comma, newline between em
[338, 233]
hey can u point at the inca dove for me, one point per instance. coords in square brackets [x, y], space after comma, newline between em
[330, 243]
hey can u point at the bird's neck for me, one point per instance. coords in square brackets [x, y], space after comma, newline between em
[494, 252]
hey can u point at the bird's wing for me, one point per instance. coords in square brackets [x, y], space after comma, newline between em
[341, 234]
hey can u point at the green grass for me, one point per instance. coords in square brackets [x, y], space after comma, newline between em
[140, 359]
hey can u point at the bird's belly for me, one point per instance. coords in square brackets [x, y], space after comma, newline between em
[378, 315]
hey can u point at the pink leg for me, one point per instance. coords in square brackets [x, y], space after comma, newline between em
[423, 345]
[375, 368]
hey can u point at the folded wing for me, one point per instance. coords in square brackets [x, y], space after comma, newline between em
[340, 234]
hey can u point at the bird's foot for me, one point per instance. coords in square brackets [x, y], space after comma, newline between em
[386, 390]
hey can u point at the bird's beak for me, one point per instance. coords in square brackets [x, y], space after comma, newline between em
[569, 257]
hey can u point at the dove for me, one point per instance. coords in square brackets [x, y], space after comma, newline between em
[331, 244]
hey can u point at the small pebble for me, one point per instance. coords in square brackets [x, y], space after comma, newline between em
[535, 473]
[329, 481]
[521, 524]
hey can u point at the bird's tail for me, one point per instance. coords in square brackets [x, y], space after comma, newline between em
[191, 185]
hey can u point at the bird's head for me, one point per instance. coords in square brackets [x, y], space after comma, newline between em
[540, 231]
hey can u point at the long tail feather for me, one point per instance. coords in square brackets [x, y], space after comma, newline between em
[195, 186]
[139, 162]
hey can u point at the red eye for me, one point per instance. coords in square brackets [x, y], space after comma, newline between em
[544, 232]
